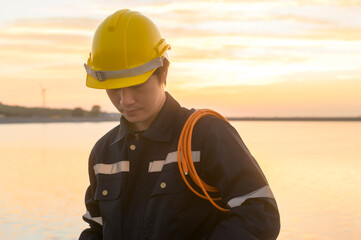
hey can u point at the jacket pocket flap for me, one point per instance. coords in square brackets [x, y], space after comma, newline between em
[107, 188]
[169, 182]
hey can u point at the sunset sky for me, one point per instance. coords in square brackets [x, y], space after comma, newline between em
[241, 58]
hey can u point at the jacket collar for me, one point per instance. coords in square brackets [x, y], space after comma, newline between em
[161, 129]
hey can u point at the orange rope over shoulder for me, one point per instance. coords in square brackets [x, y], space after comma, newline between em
[184, 155]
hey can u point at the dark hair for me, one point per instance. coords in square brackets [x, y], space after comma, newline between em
[158, 72]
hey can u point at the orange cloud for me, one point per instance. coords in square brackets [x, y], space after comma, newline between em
[309, 98]
[56, 23]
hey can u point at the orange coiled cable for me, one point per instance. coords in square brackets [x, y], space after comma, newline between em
[184, 154]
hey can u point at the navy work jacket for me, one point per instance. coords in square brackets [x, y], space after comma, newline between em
[136, 190]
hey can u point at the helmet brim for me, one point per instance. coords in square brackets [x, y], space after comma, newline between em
[118, 82]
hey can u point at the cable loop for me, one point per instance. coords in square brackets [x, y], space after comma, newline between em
[184, 155]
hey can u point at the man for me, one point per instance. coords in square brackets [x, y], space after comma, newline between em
[136, 190]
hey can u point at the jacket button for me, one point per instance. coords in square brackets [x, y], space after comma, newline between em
[132, 147]
[163, 185]
[105, 192]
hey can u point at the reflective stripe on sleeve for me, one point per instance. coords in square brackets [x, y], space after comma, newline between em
[264, 192]
[122, 166]
[157, 166]
[98, 220]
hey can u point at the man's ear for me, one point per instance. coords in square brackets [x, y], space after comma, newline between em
[164, 76]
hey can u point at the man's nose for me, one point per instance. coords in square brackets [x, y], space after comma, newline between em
[126, 97]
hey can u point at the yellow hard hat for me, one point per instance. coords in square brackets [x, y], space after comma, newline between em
[127, 48]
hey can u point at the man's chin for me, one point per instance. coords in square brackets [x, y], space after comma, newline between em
[134, 118]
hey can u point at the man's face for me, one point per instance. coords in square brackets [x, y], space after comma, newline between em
[141, 103]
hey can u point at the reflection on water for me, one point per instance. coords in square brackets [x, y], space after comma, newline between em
[314, 169]
[45, 178]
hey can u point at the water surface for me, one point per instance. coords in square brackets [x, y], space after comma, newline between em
[314, 169]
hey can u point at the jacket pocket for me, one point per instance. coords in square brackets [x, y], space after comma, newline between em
[169, 200]
[108, 188]
[169, 182]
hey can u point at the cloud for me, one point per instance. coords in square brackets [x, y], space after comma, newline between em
[348, 3]
[347, 34]
[33, 43]
[56, 23]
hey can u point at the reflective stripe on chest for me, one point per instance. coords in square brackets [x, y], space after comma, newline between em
[154, 166]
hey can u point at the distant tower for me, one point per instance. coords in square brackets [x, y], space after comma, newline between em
[43, 93]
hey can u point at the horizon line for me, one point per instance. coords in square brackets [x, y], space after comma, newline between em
[19, 120]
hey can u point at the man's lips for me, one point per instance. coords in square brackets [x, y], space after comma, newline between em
[130, 110]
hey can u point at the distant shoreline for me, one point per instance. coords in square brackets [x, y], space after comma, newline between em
[326, 119]
[16, 120]
[9, 120]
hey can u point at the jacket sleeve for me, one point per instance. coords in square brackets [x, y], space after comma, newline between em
[227, 164]
[93, 214]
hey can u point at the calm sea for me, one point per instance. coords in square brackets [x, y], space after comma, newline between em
[314, 169]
